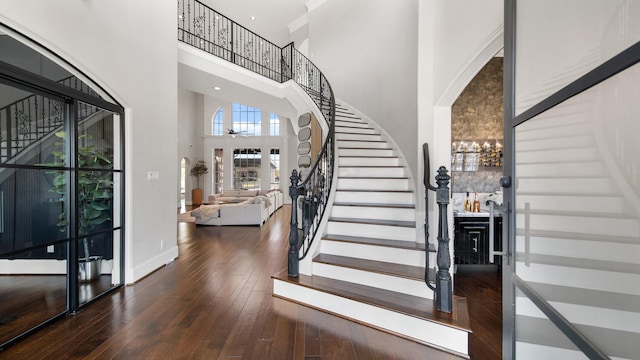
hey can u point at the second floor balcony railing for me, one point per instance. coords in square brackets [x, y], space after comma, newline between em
[208, 30]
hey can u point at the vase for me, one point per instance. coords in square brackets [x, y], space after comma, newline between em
[196, 196]
[89, 269]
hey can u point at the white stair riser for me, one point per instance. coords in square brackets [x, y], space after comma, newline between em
[524, 347]
[588, 250]
[376, 280]
[355, 130]
[563, 143]
[558, 131]
[363, 137]
[578, 224]
[381, 213]
[553, 156]
[373, 184]
[597, 317]
[371, 230]
[603, 204]
[376, 161]
[375, 197]
[365, 152]
[362, 144]
[365, 171]
[377, 253]
[351, 123]
[445, 337]
[600, 280]
[559, 169]
[566, 186]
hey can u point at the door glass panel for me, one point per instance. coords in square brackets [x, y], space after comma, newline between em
[100, 271]
[98, 201]
[569, 44]
[28, 122]
[537, 337]
[577, 202]
[33, 251]
[33, 288]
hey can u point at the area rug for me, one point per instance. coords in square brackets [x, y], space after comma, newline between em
[186, 217]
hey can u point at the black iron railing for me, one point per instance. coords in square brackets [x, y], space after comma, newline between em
[28, 120]
[208, 30]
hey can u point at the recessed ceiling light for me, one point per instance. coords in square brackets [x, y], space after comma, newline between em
[216, 88]
[253, 18]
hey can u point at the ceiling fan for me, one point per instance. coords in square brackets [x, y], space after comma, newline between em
[233, 133]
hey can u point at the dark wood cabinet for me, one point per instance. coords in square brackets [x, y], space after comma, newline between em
[471, 242]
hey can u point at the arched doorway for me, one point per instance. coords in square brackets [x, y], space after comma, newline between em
[61, 193]
[185, 188]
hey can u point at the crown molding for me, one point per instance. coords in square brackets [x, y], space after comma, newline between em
[298, 23]
[314, 4]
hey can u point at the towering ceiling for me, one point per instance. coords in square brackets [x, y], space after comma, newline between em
[270, 18]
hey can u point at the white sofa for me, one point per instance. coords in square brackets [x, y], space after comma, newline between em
[238, 207]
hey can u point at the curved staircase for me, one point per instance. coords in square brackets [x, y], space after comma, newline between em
[370, 267]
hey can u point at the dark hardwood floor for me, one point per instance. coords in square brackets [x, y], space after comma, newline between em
[483, 290]
[215, 302]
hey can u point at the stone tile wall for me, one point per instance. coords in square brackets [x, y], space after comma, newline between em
[477, 115]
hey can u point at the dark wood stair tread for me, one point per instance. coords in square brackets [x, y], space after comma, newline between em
[359, 141]
[352, 124]
[399, 244]
[380, 267]
[376, 177]
[356, 133]
[365, 148]
[370, 157]
[380, 205]
[370, 167]
[375, 191]
[340, 117]
[375, 222]
[350, 120]
[402, 303]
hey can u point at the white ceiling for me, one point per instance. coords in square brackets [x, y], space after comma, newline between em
[272, 17]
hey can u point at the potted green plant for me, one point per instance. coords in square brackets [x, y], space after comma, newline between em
[197, 170]
[94, 195]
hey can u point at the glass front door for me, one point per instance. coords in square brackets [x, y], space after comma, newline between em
[573, 236]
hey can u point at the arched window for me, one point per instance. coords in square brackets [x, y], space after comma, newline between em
[217, 127]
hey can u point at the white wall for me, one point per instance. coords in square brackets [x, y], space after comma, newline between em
[191, 117]
[403, 63]
[456, 39]
[368, 50]
[133, 56]
[463, 30]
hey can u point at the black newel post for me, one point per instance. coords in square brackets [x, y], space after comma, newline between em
[443, 295]
[293, 231]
